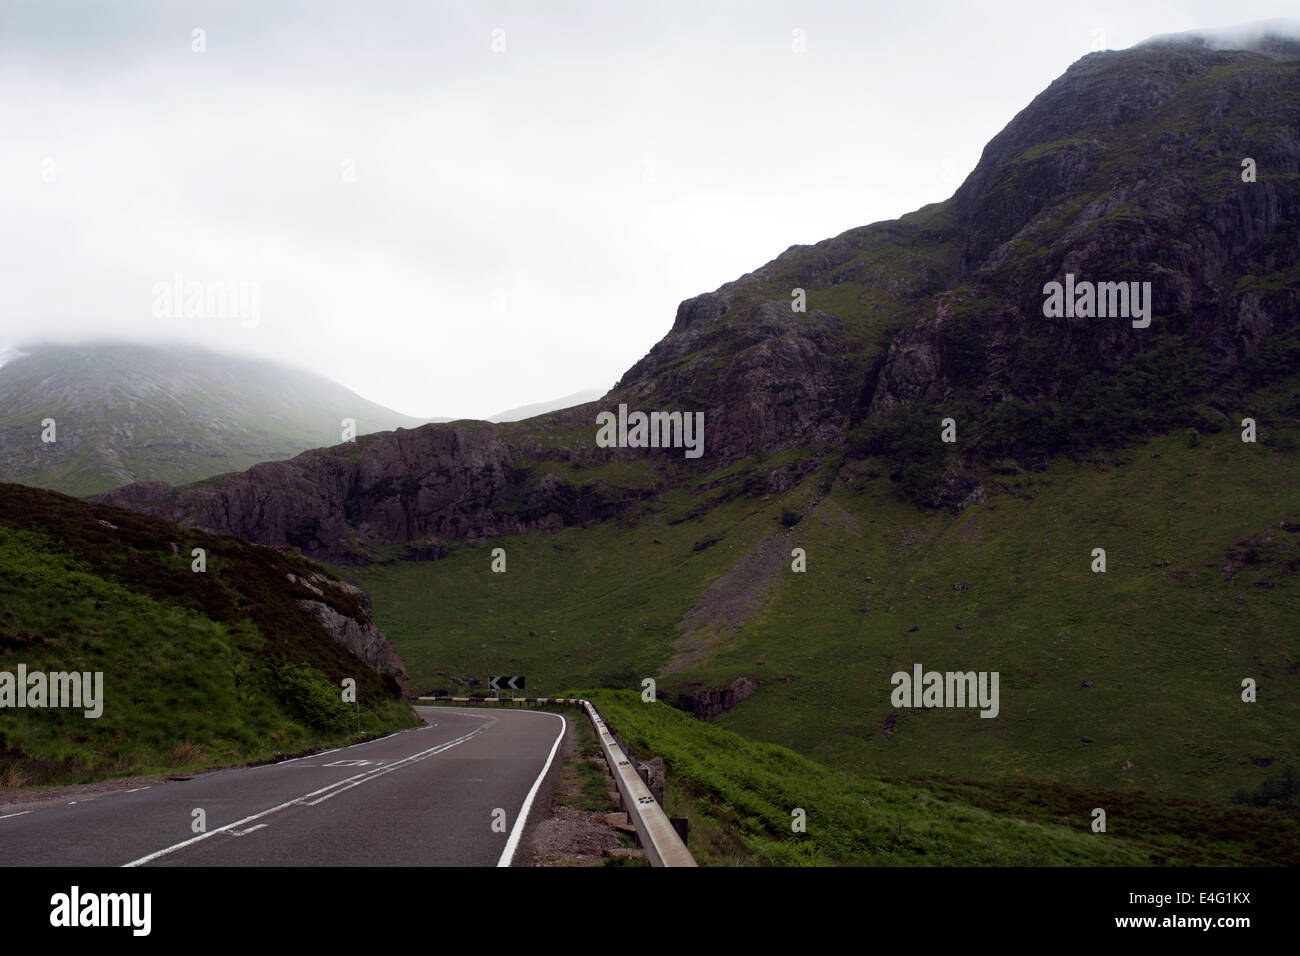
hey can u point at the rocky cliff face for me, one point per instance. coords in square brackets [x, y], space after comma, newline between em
[1126, 169]
[786, 374]
[358, 633]
[403, 494]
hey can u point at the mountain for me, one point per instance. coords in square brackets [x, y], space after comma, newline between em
[823, 443]
[1127, 168]
[238, 661]
[128, 413]
[541, 408]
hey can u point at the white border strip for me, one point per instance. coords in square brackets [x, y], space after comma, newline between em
[508, 854]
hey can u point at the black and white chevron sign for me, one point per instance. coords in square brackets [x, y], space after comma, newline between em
[507, 683]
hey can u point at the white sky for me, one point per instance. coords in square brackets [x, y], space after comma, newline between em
[614, 159]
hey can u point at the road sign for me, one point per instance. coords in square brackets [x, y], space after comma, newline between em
[506, 683]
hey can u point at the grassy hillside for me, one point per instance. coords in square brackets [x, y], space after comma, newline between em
[198, 669]
[740, 798]
[1146, 660]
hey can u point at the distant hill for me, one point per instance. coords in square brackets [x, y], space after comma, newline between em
[127, 413]
[554, 405]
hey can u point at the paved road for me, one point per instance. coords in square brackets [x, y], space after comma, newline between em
[422, 797]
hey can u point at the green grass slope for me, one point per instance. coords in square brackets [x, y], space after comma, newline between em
[1200, 591]
[741, 798]
[198, 669]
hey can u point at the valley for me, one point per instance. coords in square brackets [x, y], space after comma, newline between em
[1066, 514]
[1163, 637]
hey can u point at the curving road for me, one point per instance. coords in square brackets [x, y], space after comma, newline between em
[430, 796]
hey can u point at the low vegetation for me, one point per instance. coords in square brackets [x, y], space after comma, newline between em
[755, 803]
[199, 669]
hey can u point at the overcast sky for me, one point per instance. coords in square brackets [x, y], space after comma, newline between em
[455, 208]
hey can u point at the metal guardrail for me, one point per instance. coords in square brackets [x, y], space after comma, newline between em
[659, 839]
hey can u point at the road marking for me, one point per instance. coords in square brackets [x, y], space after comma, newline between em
[137, 789]
[395, 733]
[508, 853]
[255, 826]
[379, 771]
[18, 814]
[350, 763]
[332, 789]
[304, 757]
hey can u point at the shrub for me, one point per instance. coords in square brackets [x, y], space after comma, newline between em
[1210, 420]
[1018, 430]
[1279, 792]
[858, 442]
[309, 694]
[620, 678]
[826, 474]
[908, 439]
[184, 753]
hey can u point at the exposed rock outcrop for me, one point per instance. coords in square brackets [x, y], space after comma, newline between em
[450, 482]
[709, 703]
[361, 636]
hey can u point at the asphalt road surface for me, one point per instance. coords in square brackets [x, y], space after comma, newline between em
[430, 796]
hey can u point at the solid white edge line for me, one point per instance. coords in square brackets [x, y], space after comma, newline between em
[370, 774]
[512, 844]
